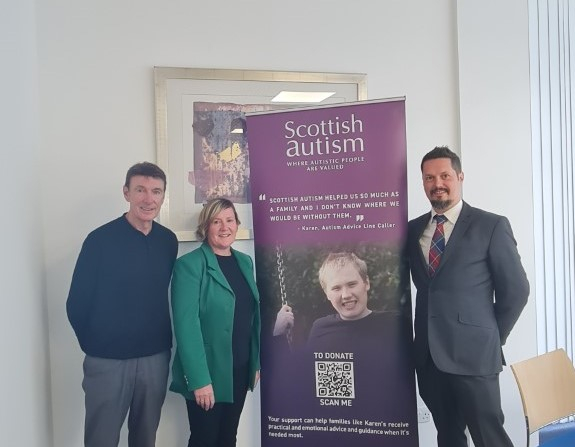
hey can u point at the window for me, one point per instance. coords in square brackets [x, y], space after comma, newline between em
[552, 61]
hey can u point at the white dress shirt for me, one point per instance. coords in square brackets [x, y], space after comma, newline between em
[452, 215]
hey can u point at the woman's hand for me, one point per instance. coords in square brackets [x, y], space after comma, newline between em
[284, 320]
[205, 397]
[257, 379]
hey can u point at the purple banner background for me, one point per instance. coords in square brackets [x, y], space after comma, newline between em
[376, 175]
[330, 180]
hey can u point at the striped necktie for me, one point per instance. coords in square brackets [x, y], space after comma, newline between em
[437, 244]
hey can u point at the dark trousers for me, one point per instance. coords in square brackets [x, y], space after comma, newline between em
[218, 427]
[114, 387]
[458, 401]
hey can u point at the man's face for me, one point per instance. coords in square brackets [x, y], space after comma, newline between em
[441, 183]
[347, 292]
[145, 195]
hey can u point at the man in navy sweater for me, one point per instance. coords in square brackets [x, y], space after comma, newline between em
[118, 307]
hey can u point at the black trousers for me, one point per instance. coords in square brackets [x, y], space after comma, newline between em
[458, 401]
[218, 427]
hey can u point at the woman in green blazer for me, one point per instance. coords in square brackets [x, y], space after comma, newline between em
[215, 305]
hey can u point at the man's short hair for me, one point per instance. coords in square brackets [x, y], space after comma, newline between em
[210, 210]
[443, 152]
[335, 261]
[145, 169]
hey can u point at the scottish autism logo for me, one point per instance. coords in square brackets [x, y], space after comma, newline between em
[327, 137]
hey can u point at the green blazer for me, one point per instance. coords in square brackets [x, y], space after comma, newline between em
[203, 314]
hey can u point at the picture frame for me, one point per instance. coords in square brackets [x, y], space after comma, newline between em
[210, 97]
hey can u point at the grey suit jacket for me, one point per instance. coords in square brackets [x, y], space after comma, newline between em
[466, 311]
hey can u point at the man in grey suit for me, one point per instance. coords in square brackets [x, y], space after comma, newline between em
[468, 301]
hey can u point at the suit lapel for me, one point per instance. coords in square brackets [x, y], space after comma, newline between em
[245, 265]
[215, 271]
[214, 268]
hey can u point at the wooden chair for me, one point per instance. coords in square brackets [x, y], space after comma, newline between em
[547, 387]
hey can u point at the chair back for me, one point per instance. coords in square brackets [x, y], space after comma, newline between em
[547, 387]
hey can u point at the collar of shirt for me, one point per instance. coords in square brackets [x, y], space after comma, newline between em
[452, 215]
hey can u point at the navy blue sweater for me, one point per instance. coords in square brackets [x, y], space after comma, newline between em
[118, 301]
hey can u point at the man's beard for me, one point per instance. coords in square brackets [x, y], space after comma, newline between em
[441, 205]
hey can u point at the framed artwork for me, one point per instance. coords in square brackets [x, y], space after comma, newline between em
[201, 135]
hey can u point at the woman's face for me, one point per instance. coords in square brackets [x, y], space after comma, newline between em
[222, 232]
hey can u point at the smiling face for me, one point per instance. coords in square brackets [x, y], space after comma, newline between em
[222, 232]
[145, 195]
[442, 184]
[347, 291]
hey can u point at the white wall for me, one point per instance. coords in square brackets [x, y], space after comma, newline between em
[97, 118]
[24, 374]
[496, 149]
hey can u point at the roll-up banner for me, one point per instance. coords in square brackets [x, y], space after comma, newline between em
[329, 196]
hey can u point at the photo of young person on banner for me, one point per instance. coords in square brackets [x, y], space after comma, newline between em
[337, 362]
[349, 359]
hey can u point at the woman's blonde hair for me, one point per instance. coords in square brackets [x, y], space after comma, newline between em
[210, 210]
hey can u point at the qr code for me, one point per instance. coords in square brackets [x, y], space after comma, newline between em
[334, 379]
